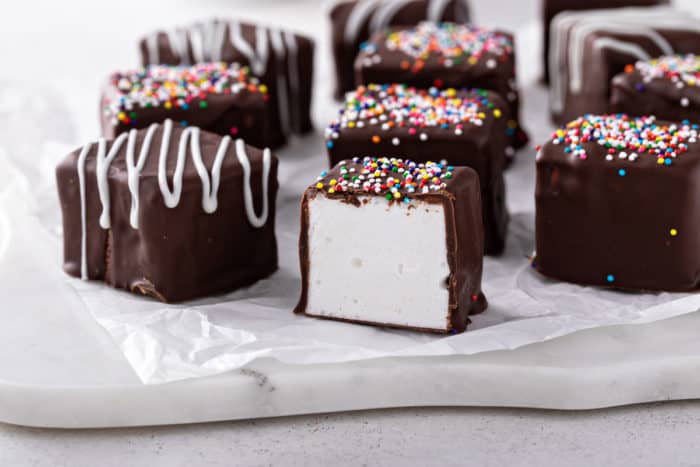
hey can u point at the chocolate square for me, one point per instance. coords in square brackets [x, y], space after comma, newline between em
[445, 55]
[464, 128]
[353, 21]
[616, 203]
[281, 59]
[551, 8]
[215, 97]
[666, 87]
[361, 224]
[168, 212]
[590, 47]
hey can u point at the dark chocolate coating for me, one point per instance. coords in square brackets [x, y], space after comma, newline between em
[660, 97]
[550, 8]
[465, 242]
[298, 97]
[600, 66]
[178, 253]
[411, 13]
[500, 79]
[480, 147]
[246, 110]
[591, 222]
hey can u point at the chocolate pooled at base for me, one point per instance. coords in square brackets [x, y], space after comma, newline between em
[171, 213]
[368, 183]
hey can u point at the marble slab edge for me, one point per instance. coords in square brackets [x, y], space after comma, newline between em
[272, 389]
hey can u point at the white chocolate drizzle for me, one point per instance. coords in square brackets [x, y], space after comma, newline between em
[294, 76]
[576, 27]
[210, 181]
[380, 13]
[207, 40]
[361, 11]
[384, 14]
[256, 57]
[436, 10]
[283, 101]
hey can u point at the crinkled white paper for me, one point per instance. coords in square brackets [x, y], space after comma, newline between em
[171, 342]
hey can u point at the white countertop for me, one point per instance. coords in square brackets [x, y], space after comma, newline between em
[646, 435]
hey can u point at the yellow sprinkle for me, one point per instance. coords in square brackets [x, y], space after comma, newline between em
[660, 160]
[673, 232]
[351, 124]
[497, 113]
[331, 191]
[481, 115]
[168, 105]
[262, 88]
[121, 115]
[319, 185]
[472, 60]
[397, 195]
[333, 182]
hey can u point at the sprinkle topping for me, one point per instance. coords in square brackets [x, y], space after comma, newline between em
[627, 138]
[451, 43]
[174, 87]
[386, 107]
[395, 179]
[682, 70]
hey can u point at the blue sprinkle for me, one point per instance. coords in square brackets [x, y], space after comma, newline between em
[610, 278]
[668, 161]
[183, 123]
[622, 172]
[329, 144]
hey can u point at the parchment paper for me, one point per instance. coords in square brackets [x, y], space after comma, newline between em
[171, 342]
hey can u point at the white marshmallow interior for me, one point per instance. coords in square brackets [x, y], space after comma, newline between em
[380, 262]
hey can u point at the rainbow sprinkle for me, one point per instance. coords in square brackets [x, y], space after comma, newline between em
[627, 138]
[681, 70]
[395, 179]
[387, 107]
[452, 44]
[174, 87]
